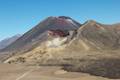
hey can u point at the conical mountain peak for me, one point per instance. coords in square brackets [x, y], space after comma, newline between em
[51, 23]
[64, 17]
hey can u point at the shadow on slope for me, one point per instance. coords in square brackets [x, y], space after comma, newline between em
[104, 67]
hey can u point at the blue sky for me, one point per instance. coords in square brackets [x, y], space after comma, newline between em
[18, 16]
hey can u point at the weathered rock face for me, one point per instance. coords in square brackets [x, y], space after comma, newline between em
[93, 35]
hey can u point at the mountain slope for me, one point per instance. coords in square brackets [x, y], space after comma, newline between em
[4, 43]
[89, 36]
[93, 35]
[32, 37]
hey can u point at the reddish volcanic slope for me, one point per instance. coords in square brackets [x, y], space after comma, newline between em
[34, 35]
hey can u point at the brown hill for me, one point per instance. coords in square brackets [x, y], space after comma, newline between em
[93, 35]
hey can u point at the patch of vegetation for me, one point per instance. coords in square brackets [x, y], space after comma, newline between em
[18, 60]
